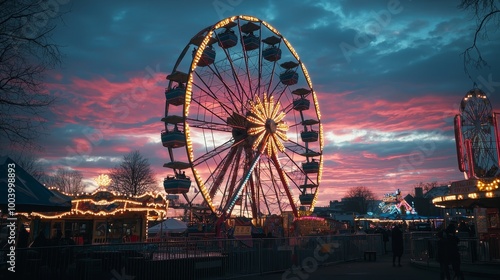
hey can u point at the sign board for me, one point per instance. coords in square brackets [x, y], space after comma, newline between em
[243, 231]
[245, 234]
[463, 186]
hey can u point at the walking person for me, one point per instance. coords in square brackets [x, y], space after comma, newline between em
[453, 252]
[443, 256]
[397, 245]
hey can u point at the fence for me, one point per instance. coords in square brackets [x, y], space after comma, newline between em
[184, 258]
[423, 247]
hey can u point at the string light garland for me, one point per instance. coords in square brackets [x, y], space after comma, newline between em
[99, 203]
[485, 189]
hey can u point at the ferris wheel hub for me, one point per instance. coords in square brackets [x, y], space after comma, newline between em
[271, 126]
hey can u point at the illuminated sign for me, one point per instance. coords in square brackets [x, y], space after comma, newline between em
[463, 187]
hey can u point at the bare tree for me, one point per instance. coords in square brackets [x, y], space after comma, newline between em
[426, 186]
[31, 164]
[485, 11]
[26, 53]
[358, 199]
[66, 180]
[133, 176]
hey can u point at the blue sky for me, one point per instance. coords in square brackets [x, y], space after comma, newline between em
[389, 77]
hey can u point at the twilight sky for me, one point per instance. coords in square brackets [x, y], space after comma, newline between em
[388, 74]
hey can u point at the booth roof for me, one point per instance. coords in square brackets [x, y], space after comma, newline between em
[29, 194]
[169, 225]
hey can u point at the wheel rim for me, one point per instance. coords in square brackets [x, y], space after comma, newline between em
[242, 127]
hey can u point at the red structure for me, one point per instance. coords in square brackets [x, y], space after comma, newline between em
[476, 136]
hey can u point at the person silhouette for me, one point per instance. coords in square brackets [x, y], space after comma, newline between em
[453, 251]
[443, 256]
[24, 236]
[397, 245]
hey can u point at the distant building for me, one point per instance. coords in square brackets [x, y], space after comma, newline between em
[423, 201]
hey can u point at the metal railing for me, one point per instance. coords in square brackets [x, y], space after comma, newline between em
[423, 247]
[183, 258]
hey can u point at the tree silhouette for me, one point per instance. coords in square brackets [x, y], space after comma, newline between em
[31, 164]
[66, 180]
[133, 176]
[425, 186]
[485, 12]
[26, 53]
[358, 198]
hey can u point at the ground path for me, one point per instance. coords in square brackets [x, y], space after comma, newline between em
[362, 270]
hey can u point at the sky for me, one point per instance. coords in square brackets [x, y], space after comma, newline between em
[389, 77]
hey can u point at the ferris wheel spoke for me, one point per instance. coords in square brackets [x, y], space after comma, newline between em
[212, 153]
[239, 86]
[234, 177]
[254, 201]
[274, 189]
[264, 184]
[230, 93]
[218, 175]
[300, 149]
[469, 117]
[228, 208]
[259, 69]
[289, 108]
[273, 71]
[213, 96]
[245, 55]
[298, 169]
[286, 186]
[275, 88]
[224, 127]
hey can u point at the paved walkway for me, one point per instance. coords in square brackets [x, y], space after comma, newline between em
[381, 269]
[480, 269]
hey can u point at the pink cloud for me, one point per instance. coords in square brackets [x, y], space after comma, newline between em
[121, 113]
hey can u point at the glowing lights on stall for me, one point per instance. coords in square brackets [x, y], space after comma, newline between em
[473, 195]
[493, 185]
[485, 189]
[126, 202]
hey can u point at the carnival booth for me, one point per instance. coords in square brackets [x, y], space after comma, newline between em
[103, 217]
[167, 227]
[310, 225]
[480, 198]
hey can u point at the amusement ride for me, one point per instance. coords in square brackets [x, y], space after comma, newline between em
[242, 123]
[476, 137]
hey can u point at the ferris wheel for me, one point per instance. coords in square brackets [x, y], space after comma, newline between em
[476, 136]
[242, 118]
